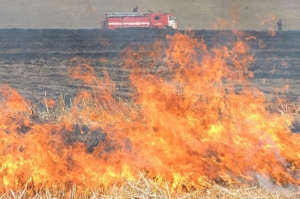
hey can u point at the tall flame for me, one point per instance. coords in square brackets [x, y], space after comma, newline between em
[193, 118]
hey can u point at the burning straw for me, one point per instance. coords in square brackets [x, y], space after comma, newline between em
[194, 122]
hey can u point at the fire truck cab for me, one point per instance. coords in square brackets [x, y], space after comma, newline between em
[163, 20]
[139, 20]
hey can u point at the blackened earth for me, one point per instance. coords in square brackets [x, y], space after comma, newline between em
[35, 61]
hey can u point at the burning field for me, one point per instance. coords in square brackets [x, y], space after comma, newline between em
[197, 114]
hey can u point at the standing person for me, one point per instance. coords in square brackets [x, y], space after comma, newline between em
[279, 24]
[135, 9]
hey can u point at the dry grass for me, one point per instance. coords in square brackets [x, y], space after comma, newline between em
[147, 188]
[290, 110]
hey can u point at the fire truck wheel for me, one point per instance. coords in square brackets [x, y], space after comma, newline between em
[168, 27]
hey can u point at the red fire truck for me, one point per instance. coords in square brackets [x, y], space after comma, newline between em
[139, 20]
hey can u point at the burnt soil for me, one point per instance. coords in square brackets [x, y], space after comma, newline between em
[35, 62]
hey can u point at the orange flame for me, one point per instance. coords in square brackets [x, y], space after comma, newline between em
[194, 119]
[250, 38]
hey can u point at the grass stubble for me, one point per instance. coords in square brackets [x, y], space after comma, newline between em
[144, 187]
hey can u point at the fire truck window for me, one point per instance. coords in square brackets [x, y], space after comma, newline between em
[157, 18]
[171, 18]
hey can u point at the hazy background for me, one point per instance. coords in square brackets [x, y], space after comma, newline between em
[191, 14]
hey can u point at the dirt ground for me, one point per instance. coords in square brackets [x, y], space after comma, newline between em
[35, 61]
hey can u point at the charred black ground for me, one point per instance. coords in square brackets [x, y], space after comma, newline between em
[36, 61]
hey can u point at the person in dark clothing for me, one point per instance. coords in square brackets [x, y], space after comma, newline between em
[135, 9]
[279, 24]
